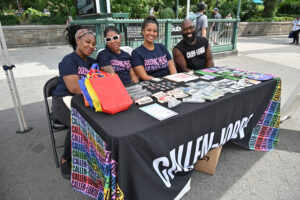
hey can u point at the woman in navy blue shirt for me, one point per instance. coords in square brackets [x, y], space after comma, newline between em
[114, 60]
[72, 67]
[151, 60]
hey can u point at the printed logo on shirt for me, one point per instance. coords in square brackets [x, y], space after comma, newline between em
[120, 65]
[196, 52]
[82, 71]
[156, 63]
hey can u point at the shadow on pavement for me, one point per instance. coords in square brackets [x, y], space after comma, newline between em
[234, 163]
[266, 40]
[289, 140]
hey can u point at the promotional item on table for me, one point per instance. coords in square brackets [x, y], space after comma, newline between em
[192, 87]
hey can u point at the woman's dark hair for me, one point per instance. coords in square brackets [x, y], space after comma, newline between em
[110, 28]
[148, 20]
[71, 31]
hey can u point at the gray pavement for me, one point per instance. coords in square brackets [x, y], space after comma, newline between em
[28, 171]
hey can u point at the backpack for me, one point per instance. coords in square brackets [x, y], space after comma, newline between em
[196, 24]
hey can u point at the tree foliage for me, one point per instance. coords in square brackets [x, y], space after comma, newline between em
[289, 7]
[135, 8]
[167, 13]
[270, 6]
[58, 7]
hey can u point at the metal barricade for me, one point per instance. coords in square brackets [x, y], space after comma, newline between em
[224, 39]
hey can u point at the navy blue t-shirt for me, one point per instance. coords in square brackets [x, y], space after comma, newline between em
[71, 64]
[155, 61]
[120, 63]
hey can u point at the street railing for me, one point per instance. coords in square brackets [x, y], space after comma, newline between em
[223, 39]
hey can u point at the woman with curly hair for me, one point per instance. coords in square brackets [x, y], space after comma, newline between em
[72, 67]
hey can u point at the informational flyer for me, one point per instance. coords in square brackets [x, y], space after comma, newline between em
[181, 77]
[159, 112]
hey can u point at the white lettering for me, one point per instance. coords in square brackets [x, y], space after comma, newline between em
[205, 146]
[163, 175]
[168, 171]
[197, 150]
[236, 129]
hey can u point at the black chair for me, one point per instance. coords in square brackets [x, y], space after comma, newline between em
[54, 125]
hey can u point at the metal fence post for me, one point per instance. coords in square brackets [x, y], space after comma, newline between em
[7, 67]
[236, 27]
[168, 27]
[99, 39]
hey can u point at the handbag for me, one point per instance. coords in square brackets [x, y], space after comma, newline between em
[291, 34]
[93, 95]
[87, 98]
[110, 91]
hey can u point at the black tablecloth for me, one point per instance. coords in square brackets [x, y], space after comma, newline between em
[155, 158]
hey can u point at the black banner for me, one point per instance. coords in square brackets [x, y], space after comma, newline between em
[134, 32]
[176, 29]
[156, 158]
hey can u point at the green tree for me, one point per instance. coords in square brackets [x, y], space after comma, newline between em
[167, 13]
[289, 7]
[270, 6]
[135, 8]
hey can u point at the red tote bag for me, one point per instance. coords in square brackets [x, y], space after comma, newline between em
[111, 92]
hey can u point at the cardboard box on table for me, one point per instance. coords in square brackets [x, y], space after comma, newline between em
[209, 162]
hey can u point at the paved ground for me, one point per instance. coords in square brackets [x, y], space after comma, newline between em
[27, 165]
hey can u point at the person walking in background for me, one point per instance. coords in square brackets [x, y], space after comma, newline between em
[151, 59]
[296, 30]
[192, 52]
[201, 20]
[228, 25]
[113, 59]
[215, 27]
[68, 20]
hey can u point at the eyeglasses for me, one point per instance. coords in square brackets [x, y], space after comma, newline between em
[82, 32]
[108, 39]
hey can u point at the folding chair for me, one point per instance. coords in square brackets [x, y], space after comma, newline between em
[54, 125]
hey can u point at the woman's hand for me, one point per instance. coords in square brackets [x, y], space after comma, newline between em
[141, 73]
[172, 68]
[133, 76]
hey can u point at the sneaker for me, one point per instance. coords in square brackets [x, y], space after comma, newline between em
[292, 43]
[65, 169]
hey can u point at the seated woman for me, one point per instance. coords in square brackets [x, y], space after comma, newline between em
[72, 67]
[151, 60]
[114, 60]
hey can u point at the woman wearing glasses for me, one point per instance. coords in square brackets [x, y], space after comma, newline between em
[72, 67]
[114, 60]
[151, 60]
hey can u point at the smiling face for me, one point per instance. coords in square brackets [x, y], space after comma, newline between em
[188, 31]
[150, 32]
[113, 44]
[86, 45]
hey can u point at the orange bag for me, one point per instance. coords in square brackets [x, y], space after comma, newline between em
[111, 92]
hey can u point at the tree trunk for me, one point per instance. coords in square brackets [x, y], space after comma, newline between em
[269, 10]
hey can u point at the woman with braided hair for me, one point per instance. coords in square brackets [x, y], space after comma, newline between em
[72, 67]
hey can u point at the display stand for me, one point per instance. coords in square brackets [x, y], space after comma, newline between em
[7, 67]
[292, 104]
